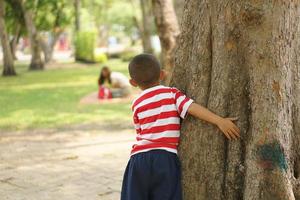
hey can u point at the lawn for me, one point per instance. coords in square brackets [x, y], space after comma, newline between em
[50, 98]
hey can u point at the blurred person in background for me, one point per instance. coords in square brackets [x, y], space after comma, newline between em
[112, 84]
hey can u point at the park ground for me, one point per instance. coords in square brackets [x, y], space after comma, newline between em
[54, 147]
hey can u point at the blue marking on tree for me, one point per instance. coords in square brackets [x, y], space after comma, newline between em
[271, 156]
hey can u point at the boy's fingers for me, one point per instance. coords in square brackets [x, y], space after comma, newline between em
[236, 129]
[226, 134]
[233, 118]
[236, 133]
[232, 134]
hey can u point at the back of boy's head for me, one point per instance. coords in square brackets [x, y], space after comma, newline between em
[144, 69]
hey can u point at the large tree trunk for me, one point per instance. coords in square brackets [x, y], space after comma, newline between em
[168, 30]
[8, 62]
[37, 62]
[240, 58]
[147, 22]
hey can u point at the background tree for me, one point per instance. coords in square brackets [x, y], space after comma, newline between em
[15, 24]
[168, 30]
[239, 58]
[77, 6]
[147, 21]
[52, 17]
[8, 62]
[114, 17]
[27, 7]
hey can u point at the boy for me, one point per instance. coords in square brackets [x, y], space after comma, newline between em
[153, 171]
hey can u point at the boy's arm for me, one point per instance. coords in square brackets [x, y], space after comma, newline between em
[226, 125]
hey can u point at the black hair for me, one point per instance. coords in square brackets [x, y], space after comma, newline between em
[101, 78]
[144, 69]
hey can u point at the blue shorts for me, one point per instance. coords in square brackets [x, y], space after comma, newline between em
[152, 175]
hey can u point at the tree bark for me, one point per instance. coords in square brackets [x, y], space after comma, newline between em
[49, 48]
[147, 22]
[179, 8]
[168, 30]
[8, 62]
[37, 62]
[77, 5]
[14, 42]
[239, 58]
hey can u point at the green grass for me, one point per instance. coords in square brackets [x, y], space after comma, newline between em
[50, 98]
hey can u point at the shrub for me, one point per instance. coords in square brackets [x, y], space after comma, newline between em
[85, 47]
[100, 56]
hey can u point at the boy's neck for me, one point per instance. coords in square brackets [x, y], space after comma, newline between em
[150, 86]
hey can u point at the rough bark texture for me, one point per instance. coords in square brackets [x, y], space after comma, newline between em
[147, 22]
[168, 30]
[179, 8]
[37, 62]
[239, 58]
[8, 62]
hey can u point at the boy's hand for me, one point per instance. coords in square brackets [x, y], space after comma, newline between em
[230, 130]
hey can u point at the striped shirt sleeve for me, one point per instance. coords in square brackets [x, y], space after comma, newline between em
[182, 103]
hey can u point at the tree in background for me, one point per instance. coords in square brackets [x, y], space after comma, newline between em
[168, 31]
[240, 58]
[77, 6]
[52, 17]
[146, 28]
[27, 7]
[15, 24]
[8, 62]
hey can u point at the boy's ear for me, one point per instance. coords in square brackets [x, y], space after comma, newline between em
[133, 83]
[163, 75]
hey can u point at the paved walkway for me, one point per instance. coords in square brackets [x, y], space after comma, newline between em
[64, 165]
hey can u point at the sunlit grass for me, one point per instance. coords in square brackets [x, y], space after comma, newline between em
[50, 98]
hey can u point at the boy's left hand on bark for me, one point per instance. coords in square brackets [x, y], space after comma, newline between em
[230, 130]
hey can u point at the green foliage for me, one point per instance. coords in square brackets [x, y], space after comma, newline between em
[51, 98]
[122, 14]
[100, 56]
[85, 44]
[85, 47]
[118, 16]
[48, 14]
[127, 55]
[53, 14]
[14, 17]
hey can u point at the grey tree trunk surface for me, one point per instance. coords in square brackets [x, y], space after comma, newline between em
[147, 23]
[168, 30]
[241, 58]
[37, 62]
[8, 61]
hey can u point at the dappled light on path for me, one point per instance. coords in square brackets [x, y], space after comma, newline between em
[65, 164]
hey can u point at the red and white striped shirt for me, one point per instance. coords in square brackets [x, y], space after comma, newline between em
[156, 115]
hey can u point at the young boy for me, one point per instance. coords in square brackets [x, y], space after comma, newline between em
[153, 171]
